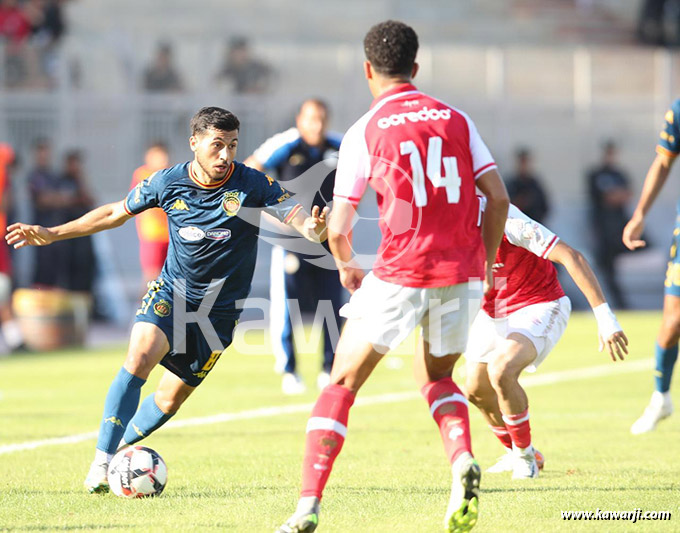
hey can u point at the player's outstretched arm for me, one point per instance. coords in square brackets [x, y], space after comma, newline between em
[656, 177]
[105, 217]
[610, 332]
[340, 242]
[311, 227]
[495, 215]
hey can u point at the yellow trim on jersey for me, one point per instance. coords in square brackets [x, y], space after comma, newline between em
[213, 185]
[665, 151]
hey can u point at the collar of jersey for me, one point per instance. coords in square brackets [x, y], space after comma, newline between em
[214, 185]
[401, 88]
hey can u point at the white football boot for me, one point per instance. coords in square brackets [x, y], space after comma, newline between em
[660, 407]
[525, 466]
[97, 480]
[506, 462]
[305, 519]
[463, 509]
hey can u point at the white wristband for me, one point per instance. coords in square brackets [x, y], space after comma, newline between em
[606, 320]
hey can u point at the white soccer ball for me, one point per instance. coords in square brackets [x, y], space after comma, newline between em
[137, 472]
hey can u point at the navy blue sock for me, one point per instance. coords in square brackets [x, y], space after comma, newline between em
[121, 403]
[147, 419]
[665, 361]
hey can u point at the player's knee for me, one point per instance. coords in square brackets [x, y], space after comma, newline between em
[670, 331]
[140, 363]
[475, 393]
[501, 374]
[169, 404]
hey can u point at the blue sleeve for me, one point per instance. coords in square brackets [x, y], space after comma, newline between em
[669, 138]
[146, 194]
[276, 200]
[334, 139]
[277, 149]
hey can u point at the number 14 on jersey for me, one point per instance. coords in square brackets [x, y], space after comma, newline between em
[450, 181]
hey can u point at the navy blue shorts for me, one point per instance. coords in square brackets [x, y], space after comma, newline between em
[198, 358]
[672, 283]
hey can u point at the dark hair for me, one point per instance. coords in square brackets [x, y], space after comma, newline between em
[391, 48]
[214, 118]
[609, 145]
[523, 152]
[316, 101]
[73, 154]
[41, 142]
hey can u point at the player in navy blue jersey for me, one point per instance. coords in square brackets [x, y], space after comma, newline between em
[666, 349]
[187, 318]
[290, 154]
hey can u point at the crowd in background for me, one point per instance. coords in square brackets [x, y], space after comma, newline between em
[30, 31]
[240, 71]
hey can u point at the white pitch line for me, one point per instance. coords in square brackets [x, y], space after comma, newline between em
[266, 412]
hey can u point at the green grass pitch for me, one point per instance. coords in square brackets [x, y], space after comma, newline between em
[392, 476]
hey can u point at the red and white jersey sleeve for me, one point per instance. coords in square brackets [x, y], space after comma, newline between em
[526, 233]
[354, 167]
[481, 157]
[523, 275]
[422, 157]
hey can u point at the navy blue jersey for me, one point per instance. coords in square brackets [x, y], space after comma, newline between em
[669, 138]
[210, 236]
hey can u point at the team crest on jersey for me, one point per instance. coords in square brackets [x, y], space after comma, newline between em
[180, 205]
[162, 308]
[231, 203]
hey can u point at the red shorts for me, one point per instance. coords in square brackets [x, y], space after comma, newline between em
[152, 254]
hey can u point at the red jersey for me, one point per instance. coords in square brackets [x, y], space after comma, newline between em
[522, 273]
[422, 157]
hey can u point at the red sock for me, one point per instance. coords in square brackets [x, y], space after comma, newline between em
[519, 428]
[449, 408]
[326, 430]
[502, 434]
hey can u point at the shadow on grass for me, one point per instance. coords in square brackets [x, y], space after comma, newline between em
[64, 528]
[654, 488]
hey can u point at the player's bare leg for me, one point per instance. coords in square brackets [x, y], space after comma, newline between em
[512, 356]
[355, 359]
[157, 408]
[660, 405]
[148, 345]
[481, 393]
[449, 409]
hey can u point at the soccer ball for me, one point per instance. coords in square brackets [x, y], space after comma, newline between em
[137, 472]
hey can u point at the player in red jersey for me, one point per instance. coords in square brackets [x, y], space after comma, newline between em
[424, 159]
[520, 322]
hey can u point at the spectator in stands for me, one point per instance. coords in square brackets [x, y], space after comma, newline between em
[525, 189]
[152, 224]
[651, 22]
[15, 29]
[609, 192]
[58, 198]
[11, 332]
[160, 75]
[47, 26]
[82, 260]
[243, 72]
